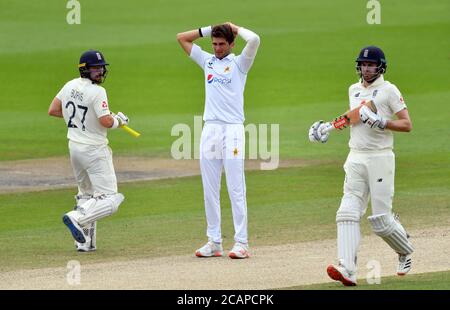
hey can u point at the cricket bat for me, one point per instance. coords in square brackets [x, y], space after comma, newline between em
[349, 118]
[131, 131]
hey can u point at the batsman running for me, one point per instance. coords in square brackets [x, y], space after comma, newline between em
[222, 144]
[370, 166]
[83, 104]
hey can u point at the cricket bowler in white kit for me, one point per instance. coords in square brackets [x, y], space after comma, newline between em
[83, 104]
[370, 167]
[222, 144]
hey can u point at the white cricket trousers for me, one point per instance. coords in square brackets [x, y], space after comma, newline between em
[223, 145]
[93, 169]
[368, 174]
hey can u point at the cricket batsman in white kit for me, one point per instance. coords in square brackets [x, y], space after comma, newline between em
[83, 104]
[370, 167]
[222, 144]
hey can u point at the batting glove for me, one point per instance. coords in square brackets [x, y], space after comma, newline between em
[315, 132]
[122, 119]
[323, 131]
[371, 119]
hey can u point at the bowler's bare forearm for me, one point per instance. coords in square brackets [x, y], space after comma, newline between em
[186, 38]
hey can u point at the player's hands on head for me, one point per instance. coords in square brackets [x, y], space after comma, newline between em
[122, 118]
[371, 119]
[316, 133]
[233, 27]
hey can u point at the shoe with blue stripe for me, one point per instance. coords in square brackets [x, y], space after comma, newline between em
[75, 229]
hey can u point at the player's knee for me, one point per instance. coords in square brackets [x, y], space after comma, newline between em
[116, 199]
[347, 216]
[349, 210]
[383, 224]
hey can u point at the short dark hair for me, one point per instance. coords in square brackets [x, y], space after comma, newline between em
[223, 31]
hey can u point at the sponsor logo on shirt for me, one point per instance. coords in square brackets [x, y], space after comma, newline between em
[374, 93]
[211, 80]
[104, 105]
[357, 95]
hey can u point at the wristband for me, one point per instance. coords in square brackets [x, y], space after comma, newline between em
[115, 124]
[205, 31]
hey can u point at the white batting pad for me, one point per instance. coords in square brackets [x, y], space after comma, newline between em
[100, 207]
[348, 238]
[385, 226]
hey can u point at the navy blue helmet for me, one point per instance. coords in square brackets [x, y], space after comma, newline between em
[372, 54]
[90, 59]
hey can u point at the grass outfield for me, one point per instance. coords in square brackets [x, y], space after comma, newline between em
[166, 217]
[301, 74]
[425, 281]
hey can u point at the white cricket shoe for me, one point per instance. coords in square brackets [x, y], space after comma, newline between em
[340, 273]
[404, 264]
[69, 219]
[84, 247]
[239, 250]
[210, 249]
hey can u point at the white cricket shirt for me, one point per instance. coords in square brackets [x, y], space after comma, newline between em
[83, 103]
[388, 100]
[224, 85]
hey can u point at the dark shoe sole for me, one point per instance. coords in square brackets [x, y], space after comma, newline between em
[76, 234]
[86, 251]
